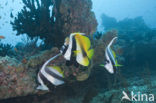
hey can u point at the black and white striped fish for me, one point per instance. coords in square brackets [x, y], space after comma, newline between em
[50, 76]
[111, 60]
[78, 51]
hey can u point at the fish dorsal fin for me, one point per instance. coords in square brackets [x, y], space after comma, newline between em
[114, 54]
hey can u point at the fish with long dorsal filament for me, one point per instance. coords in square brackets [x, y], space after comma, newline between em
[76, 46]
[111, 58]
[50, 76]
[78, 49]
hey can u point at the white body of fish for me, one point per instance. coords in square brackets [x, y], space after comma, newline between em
[109, 65]
[49, 77]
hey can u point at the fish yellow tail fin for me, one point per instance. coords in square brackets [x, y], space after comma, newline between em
[90, 53]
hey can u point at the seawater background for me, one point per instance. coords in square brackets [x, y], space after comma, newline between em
[135, 49]
[118, 9]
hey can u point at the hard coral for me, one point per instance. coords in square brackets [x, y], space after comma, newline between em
[14, 79]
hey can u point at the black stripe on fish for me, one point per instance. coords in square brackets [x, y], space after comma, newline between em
[84, 54]
[54, 74]
[46, 81]
[111, 59]
[64, 49]
[73, 57]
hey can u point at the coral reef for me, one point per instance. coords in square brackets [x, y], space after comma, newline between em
[92, 94]
[53, 27]
[15, 80]
[50, 21]
[13, 69]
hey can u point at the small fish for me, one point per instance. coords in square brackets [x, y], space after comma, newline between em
[111, 60]
[2, 37]
[16, 50]
[24, 61]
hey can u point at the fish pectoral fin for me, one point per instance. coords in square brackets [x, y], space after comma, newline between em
[76, 52]
[90, 53]
[102, 65]
[118, 65]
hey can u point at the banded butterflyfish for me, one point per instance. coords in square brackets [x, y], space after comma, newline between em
[50, 76]
[111, 60]
[77, 50]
